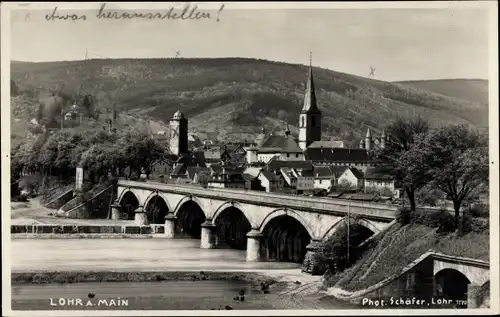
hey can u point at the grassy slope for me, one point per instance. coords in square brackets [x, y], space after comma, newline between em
[234, 97]
[475, 90]
[403, 244]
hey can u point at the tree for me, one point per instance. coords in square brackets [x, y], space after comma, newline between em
[88, 106]
[456, 159]
[396, 158]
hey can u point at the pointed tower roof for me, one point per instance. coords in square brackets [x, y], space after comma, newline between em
[287, 132]
[368, 133]
[310, 94]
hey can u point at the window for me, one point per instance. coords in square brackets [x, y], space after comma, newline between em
[287, 154]
[320, 181]
[296, 154]
[303, 121]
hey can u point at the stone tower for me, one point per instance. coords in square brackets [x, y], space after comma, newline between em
[178, 134]
[310, 116]
[368, 140]
[362, 144]
[383, 140]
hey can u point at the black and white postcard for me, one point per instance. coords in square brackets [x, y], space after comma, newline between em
[250, 158]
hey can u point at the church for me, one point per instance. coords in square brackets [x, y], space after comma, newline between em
[309, 145]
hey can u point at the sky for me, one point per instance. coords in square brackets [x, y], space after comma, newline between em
[401, 44]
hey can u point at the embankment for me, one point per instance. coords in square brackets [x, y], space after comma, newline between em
[108, 276]
[388, 266]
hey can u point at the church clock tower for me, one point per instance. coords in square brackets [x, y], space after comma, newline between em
[310, 116]
[178, 134]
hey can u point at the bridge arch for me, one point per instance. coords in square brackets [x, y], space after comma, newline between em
[231, 225]
[285, 236]
[156, 208]
[452, 284]
[190, 216]
[129, 203]
[124, 192]
[286, 212]
[359, 221]
[160, 195]
[186, 199]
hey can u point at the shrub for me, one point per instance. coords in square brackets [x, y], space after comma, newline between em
[469, 223]
[21, 198]
[479, 211]
[428, 196]
[403, 215]
[102, 179]
[441, 219]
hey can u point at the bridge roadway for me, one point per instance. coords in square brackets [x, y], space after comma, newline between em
[269, 225]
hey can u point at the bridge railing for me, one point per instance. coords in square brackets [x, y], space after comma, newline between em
[292, 201]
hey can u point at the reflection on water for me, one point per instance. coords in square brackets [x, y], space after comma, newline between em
[137, 254]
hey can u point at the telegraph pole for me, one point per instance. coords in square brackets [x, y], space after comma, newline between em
[348, 225]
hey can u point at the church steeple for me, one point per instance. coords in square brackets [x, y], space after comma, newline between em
[310, 105]
[287, 132]
[310, 116]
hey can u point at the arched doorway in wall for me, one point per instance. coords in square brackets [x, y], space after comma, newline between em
[451, 284]
[190, 217]
[129, 204]
[231, 227]
[156, 210]
[284, 239]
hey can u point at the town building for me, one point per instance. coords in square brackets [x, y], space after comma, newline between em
[350, 179]
[161, 169]
[226, 176]
[271, 181]
[380, 183]
[252, 181]
[325, 177]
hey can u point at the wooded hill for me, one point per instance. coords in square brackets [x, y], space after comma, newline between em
[232, 98]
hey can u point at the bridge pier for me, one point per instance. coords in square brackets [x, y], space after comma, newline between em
[141, 219]
[310, 264]
[473, 296]
[208, 235]
[115, 210]
[253, 245]
[170, 226]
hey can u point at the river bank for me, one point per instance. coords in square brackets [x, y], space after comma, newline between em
[168, 290]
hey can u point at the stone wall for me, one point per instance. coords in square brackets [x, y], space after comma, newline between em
[86, 229]
[416, 282]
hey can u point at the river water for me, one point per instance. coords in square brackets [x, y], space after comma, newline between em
[151, 255]
[129, 254]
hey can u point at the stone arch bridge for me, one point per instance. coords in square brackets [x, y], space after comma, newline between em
[268, 225]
